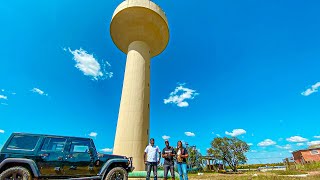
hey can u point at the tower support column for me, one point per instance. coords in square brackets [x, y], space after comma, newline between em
[132, 132]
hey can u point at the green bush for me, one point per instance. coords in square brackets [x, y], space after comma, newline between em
[315, 166]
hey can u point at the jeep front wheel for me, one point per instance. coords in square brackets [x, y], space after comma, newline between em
[117, 173]
[16, 173]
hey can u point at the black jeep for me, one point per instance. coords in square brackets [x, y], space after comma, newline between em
[34, 156]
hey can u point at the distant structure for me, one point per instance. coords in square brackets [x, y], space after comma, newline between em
[139, 28]
[306, 155]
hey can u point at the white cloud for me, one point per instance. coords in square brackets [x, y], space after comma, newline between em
[218, 135]
[288, 146]
[107, 150]
[300, 144]
[313, 89]
[296, 139]
[1, 131]
[316, 137]
[38, 91]
[250, 144]
[3, 97]
[165, 137]
[313, 143]
[236, 132]
[93, 134]
[189, 134]
[89, 65]
[2, 90]
[212, 132]
[254, 151]
[180, 95]
[266, 142]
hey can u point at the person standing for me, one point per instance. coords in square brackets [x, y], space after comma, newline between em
[168, 153]
[153, 159]
[182, 155]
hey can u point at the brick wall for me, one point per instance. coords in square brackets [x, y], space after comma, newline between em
[305, 156]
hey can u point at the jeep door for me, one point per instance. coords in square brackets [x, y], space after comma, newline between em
[52, 156]
[79, 162]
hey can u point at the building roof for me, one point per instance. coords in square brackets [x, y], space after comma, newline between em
[318, 148]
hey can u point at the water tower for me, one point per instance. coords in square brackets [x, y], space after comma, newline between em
[138, 28]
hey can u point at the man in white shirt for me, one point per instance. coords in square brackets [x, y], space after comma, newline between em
[153, 158]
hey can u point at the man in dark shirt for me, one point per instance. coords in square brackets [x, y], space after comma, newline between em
[168, 153]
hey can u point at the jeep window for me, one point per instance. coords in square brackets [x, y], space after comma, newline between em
[80, 146]
[53, 144]
[23, 142]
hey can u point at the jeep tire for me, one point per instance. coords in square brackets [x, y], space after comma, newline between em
[17, 172]
[117, 173]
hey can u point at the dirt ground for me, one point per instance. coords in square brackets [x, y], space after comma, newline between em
[315, 175]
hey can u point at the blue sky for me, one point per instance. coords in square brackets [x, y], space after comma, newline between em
[234, 68]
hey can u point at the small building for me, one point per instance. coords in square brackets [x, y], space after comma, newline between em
[306, 155]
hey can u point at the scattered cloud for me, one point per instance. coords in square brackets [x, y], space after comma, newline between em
[212, 133]
[3, 97]
[1, 131]
[313, 143]
[296, 139]
[266, 142]
[165, 137]
[2, 90]
[288, 146]
[313, 89]
[316, 137]
[93, 134]
[254, 151]
[218, 135]
[13, 93]
[250, 144]
[89, 65]
[107, 150]
[5, 104]
[191, 134]
[236, 132]
[38, 91]
[180, 96]
[300, 144]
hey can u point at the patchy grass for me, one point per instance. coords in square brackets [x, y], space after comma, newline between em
[255, 176]
[246, 176]
[291, 172]
[309, 167]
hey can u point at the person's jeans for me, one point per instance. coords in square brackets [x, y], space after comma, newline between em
[152, 165]
[182, 170]
[166, 169]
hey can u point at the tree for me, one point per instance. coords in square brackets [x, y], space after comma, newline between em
[229, 150]
[194, 159]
